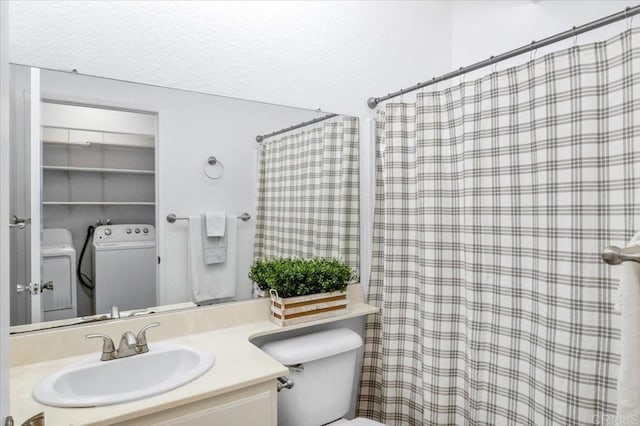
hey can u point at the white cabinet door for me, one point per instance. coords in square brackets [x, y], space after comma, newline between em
[254, 406]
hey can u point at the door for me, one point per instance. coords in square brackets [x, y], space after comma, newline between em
[25, 195]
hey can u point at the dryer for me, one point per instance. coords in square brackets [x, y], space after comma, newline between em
[59, 266]
[124, 262]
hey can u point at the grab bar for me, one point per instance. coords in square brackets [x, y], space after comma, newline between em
[615, 255]
[171, 217]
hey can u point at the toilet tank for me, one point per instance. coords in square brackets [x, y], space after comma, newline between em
[322, 367]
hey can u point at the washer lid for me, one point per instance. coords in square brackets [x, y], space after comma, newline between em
[58, 251]
[56, 237]
[311, 347]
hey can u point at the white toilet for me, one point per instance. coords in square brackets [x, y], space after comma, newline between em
[322, 367]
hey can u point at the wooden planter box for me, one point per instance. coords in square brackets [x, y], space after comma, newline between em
[299, 309]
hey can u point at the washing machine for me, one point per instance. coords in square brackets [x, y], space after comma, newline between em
[59, 266]
[124, 265]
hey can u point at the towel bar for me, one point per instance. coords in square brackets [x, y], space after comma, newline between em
[615, 255]
[171, 217]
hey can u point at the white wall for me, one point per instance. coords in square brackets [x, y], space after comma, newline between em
[191, 127]
[329, 55]
[485, 28]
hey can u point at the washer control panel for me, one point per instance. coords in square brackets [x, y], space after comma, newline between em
[127, 232]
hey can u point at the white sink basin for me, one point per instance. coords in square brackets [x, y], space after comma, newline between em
[93, 382]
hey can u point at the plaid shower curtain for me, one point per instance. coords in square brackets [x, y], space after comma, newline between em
[495, 199]
[308, 194]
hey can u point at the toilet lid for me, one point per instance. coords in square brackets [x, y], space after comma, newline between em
[358, 421]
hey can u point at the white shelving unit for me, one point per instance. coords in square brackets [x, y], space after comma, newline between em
[112, 168]
[75, 136]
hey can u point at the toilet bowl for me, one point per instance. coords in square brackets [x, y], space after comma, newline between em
[322, 367]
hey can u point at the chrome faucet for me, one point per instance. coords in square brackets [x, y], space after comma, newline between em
[115, 312]
[127, 346]
[130, 344]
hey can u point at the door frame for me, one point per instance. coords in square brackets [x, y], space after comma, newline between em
[5, 254]
[35, 194]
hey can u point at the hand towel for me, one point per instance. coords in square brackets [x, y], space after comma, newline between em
[215, 224]
[214, 248]
[628, 374]
[211, 283]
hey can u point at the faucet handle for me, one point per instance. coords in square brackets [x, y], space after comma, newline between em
[141, 339]
[108, 348]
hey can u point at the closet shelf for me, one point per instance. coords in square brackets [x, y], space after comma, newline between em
[99, 170]
[98, 203]
[62, 143]
[89, 137]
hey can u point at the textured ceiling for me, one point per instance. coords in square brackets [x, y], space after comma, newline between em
[329, 55]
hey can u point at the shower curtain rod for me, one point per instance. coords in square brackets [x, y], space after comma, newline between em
[627, 13]
[260, 138]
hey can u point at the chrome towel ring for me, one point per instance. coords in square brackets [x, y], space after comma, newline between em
[209, 167]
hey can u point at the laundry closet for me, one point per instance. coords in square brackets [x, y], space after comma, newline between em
[96, 179]
[98, 169]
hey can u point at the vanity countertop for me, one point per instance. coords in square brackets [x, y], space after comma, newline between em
[239, 364]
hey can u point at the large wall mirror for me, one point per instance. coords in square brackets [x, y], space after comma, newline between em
[130, 199]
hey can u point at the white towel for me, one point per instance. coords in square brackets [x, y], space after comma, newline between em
[628, 374]
[216, 224]
[215, 282]
[214, 248]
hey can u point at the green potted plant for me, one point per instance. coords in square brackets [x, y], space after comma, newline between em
[303, 289]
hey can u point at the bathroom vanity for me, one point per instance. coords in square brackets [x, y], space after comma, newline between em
[240, 389]
[253, 405]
